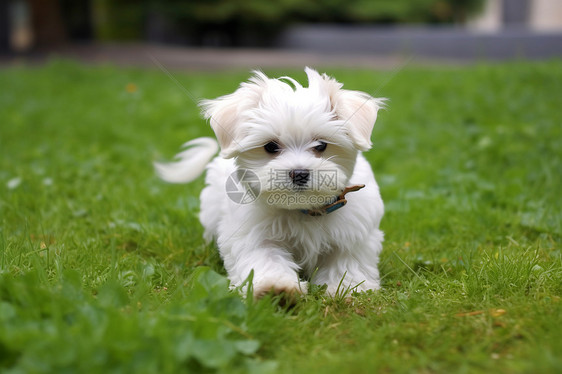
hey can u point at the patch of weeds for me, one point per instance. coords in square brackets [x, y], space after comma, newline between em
[48, 329]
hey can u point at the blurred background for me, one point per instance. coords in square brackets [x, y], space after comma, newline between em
[454, 29]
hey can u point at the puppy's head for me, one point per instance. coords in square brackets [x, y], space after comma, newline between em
[301, 142]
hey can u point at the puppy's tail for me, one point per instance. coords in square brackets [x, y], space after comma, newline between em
[190, 163]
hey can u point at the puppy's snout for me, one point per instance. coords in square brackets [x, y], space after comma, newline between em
[299, 177]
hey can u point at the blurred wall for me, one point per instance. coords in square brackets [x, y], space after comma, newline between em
[546, 15]
[534, 15]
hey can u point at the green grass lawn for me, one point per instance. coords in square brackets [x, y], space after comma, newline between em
[103, 268]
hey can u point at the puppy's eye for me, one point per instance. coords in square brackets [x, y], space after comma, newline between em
[321, 147]
[272, 147]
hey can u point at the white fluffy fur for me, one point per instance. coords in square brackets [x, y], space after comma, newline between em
[274, 238]
[191, 162]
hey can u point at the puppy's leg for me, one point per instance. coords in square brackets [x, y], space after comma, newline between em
[274, 269]
[353, 267]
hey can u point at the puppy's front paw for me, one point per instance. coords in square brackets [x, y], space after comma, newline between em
[289, 288]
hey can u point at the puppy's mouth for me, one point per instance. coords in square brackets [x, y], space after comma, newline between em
[311, 189]
[301, 189]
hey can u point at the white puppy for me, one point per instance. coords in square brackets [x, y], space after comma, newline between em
[273, 196]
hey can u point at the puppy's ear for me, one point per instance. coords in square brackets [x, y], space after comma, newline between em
[359, 111]
[222, 114]
[226, 113]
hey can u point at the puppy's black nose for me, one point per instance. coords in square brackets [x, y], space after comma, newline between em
[299, 176]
